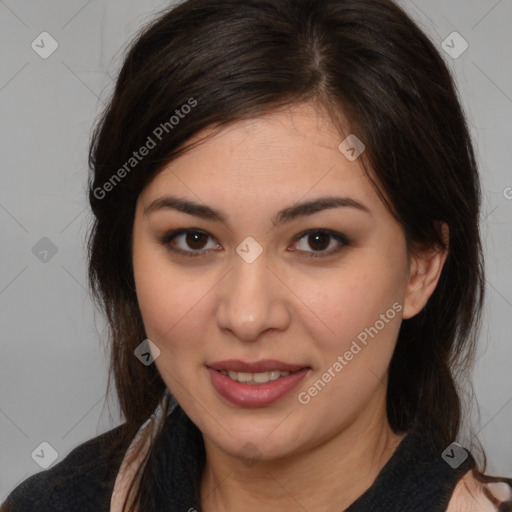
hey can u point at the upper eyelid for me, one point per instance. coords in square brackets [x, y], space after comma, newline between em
[183, 231]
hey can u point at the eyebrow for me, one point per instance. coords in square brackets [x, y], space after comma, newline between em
[285, 215]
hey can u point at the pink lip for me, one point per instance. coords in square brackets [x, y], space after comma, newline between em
[255, 395]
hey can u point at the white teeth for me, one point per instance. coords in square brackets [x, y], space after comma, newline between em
[274, 375]
[254, 378]
[262, 377]
[244, 377]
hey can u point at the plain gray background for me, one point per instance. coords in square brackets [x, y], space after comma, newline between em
[53, 366]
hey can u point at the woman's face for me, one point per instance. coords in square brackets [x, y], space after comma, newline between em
[326, 309]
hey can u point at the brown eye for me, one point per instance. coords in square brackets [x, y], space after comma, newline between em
[319, 240]
[195, 240]
[188, 242]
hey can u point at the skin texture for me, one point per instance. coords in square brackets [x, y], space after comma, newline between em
[282, 306]
[468, 496]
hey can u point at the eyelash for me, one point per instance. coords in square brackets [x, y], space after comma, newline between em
[339, 237]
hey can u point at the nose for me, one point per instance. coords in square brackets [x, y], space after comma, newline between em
[252, 300]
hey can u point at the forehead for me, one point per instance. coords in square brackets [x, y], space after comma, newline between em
[279, 158]
[286, 135]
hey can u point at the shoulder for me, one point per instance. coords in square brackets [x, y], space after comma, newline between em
[81, 481]
[481, 495]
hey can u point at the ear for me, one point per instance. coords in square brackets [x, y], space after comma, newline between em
[424, 272]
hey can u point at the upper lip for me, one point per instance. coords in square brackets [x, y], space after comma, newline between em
[265, 365]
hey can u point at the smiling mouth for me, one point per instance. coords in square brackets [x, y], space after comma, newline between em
[255, 378]
[255, 384]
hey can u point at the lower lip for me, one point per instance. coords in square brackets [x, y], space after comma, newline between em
[255, 395]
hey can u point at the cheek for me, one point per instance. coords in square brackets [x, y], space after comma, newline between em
[164, 296]
[167, 306]
[360, 302]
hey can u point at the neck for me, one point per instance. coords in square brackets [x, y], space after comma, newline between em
[327, 478]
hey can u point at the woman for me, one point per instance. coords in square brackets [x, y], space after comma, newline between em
[286, 247]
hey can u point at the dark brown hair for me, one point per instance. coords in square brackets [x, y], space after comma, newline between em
[238, 59]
